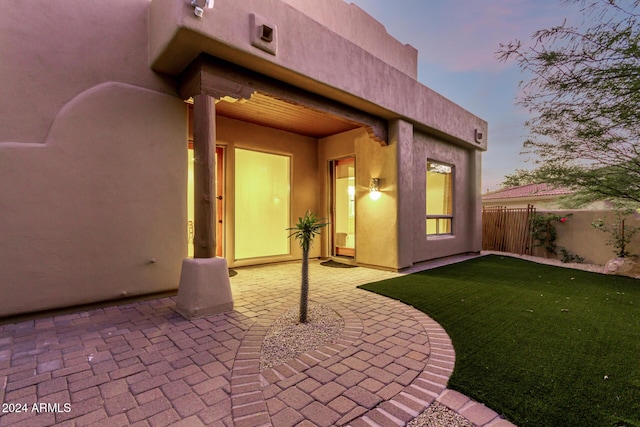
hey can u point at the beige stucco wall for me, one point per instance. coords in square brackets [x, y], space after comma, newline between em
[92, 157]
[401, 136]
[466, 203]
[391, 231]
[356, 25]
[353, 76]
[305, 192]
[580, 238]
[53, 50]
[84, 213]
[376, 220]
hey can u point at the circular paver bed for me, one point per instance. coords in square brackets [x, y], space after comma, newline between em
[287, 338]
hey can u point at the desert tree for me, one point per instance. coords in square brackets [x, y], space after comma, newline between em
[583, 91]
[517, 178]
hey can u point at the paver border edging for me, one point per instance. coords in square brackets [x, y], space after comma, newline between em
[248, 404]
[431, 384]
[250, 388]
[416, 397]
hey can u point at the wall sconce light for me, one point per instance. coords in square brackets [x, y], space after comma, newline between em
[198, 10]
[374, 189]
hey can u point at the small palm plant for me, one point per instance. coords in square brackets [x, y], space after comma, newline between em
[305, 231]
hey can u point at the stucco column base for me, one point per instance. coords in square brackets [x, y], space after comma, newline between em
[205, 288]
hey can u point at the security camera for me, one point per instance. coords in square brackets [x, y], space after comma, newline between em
[198, 10]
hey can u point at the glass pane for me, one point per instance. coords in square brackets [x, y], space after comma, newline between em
[190, 212]
[444, 226]
[438, 226]
[345, 204]
[262, 199]
[439, 197]
[432, 226]
[439, 200]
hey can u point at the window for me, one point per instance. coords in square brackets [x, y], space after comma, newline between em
[439, 198]
[262, 191]
[343, 207]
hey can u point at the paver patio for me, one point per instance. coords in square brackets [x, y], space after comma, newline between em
[142, 364]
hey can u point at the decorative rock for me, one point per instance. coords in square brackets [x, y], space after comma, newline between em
[287, 338]
[438, 415]
[623, 267]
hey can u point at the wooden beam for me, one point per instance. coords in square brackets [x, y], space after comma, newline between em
[219, 78]
[204, 147]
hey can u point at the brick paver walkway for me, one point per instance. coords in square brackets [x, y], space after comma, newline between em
[142, 364]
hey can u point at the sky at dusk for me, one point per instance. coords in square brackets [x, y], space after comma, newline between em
[457, 41]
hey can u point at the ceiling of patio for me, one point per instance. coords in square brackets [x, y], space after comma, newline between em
[269, 111]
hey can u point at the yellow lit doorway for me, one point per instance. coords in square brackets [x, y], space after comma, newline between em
[343, 209]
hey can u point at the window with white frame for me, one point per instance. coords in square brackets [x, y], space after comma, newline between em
[439, 198]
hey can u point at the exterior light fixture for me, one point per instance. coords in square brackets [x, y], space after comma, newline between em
[199, 5]
[374, 189]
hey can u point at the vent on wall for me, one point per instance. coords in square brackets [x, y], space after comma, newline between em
[264, 34]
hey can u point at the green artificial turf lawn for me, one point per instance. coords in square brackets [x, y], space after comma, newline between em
[542, 345]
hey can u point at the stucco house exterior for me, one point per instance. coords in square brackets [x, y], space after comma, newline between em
[539, 195]
[297, 105]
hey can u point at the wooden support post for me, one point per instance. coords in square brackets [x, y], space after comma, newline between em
[204, 147]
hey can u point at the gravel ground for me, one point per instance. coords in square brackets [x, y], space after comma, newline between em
[438, 415]
[287, 338]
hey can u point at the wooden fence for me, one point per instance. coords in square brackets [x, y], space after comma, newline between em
[507, 229]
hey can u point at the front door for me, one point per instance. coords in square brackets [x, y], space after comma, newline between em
[343, 209]
[219, 201]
